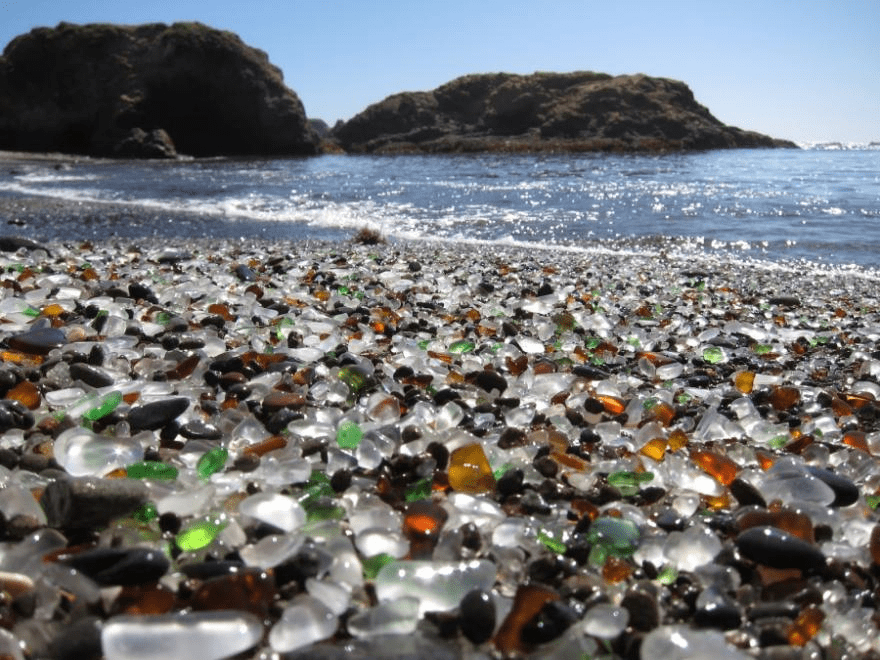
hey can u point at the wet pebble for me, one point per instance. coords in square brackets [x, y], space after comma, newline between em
[156, 414]
[779, 549]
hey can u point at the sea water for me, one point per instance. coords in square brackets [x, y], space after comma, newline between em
[820, 203]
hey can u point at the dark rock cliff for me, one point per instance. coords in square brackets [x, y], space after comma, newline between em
[145, 91]
[580, 111]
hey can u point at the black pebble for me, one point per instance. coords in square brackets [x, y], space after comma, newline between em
[553, 620]
[477, 612]
[90, 375]
[87, 503]
[156, 414]
[137, 291]
[80, 640]
[778, 549]
[120, 566]
[489, 380]
[14, 415]
[845, 491]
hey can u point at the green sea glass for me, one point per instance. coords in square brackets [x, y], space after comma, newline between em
[106, 405]
[212, 462]
[151, 470]
[349, 435]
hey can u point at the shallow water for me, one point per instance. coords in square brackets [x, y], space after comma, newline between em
[820, 204]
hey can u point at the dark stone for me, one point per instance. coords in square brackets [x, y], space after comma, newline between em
[14, 415]
[138, 291]
[554, 619]
[580, 111]
[187, 86]
[80, 640]
[644, 614]
[205, 570]
[488, 380]
[725, 615]
[38, 340]
[512, 437]
[778, 549]
[590, 373]
[245, 274]
[87, 503]
[156, 414]
[510, 483]
[94, 376]
[196, 429]
[141, 144]
[477, 616]
[120, 566]
[746, 494]
[785, 301]
[845, 491]
[15, 243]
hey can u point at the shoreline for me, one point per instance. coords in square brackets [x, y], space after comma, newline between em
[529, 388]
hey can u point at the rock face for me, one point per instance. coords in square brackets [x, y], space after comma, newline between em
[580, 111]
[144, 91]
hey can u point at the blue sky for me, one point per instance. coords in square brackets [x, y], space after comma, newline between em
[798, 69]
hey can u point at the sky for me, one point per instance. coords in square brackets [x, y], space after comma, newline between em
[803, 70]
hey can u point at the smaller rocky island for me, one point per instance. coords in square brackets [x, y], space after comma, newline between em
[581, 111]
[146, 91]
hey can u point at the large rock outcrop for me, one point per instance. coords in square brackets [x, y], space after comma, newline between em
[580, 111]
[146, 90]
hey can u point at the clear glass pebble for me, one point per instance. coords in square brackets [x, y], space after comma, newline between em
[439, 586]
[194, 635]
[304, 621]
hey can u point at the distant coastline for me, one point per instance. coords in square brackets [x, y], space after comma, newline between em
[188, 89]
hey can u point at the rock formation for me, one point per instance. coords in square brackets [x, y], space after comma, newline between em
[580, 111]
[144, 91]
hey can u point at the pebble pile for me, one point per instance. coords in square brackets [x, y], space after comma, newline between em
[257, 450]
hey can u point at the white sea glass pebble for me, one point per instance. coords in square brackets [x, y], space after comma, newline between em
[194, 636]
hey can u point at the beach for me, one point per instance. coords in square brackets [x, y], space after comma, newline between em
[400, 449]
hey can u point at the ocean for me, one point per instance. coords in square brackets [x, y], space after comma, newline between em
[818, 204]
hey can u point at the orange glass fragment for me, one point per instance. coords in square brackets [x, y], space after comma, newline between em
[569, 460]
[662, 412]
[53, 310]
[251, 589]
[443, 357]
[183, 368]
[857, 440]
[612, 404]
[805, 626]
[118, 473]
[616, 570]
[744, 381]
[783, 397]
[89, 275]
[677, 440]
[719, 466]
[473, 315]
[795, 523]
[469, 470]
[858, 400]
[764, 460]
[716, 503]
[23, 359]
[654, 449]
[585, 508]
[26, 393]
[322, 295]
[840, 407]
[269, 444]
[517, 366]
[153, 599]
[527, 603]
[131, 397]
[422, 522]
[221, 310]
